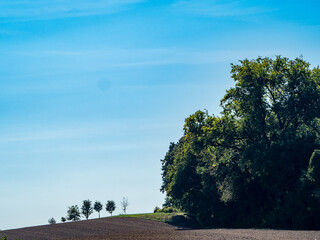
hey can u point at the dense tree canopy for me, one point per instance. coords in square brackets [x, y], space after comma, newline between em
[256, 164]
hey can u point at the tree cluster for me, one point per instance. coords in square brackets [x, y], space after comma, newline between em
[257, 164]
[74, 213]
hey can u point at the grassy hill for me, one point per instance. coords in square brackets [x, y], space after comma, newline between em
[171, 218]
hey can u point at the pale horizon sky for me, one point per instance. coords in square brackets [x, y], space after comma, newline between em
[93, 92]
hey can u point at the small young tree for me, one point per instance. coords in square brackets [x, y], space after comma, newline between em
[86, 208]
[110, 206]
[63, 219]
[73, 213]
[124, 204]
[97, 207]
[51, 221]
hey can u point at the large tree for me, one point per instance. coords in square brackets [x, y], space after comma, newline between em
[86, 208]
[250, 165]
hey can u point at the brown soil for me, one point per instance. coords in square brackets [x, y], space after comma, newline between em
[133, 228]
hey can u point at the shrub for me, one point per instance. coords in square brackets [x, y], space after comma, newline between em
[170, 210]
[156, 209]
[51, 221]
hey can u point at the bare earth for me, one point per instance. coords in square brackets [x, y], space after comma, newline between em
[133, 228]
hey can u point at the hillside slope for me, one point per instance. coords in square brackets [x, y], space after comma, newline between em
[88, 229]
[133, 228]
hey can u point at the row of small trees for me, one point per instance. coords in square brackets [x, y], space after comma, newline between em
[74, 214]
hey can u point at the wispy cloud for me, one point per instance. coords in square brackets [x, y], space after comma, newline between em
[103, 59]
[106, 130]
[74, 59]
[216, 8]
[51, 9]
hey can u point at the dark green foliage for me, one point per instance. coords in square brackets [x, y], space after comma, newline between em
[169, 210]
[86, 208]
[63, 219]
[110, 206]
[156, 209]
[166, 210]
[313, 173]
[73, 213]
[169, 202]
[52, 221]
[97, 207]
[257, 164]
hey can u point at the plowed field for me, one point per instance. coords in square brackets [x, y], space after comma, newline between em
[133, 228]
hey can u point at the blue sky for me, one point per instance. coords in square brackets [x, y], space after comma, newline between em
[93, 92]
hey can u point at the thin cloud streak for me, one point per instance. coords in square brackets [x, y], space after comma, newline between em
[54, 9]
[94, 129]
[216, 9]
[127, 58]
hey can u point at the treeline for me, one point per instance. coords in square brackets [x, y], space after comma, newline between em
[87, 208]
[257, 163]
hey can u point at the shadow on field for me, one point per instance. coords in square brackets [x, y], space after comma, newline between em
[184, 222]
